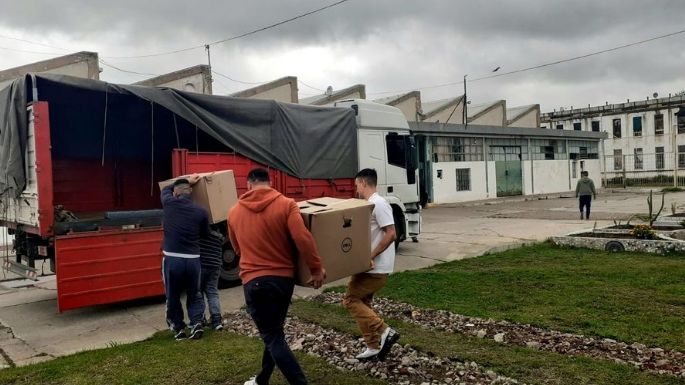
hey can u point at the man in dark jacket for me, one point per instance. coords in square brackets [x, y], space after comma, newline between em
[585, 190]
[184, 224]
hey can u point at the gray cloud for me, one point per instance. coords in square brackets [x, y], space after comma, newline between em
[397, 45]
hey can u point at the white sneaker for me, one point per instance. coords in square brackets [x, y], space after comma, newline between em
[368, 353]
[251, 381]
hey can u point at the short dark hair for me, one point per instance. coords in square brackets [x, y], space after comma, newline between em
[181, 181]
[584, 173]
[369, 176]
[258, 175]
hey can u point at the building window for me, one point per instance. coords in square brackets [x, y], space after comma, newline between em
[659, 124]
[450, 149]
[574, 170]
[617, 128]
[639, 164]
[463, 179]
[637, 125]
[548, 151]
[595, 125]
[618, 160]
[582, 152]
[681, 156]
[560, 126]
[577, 126]
[659, 158]
[681, 120]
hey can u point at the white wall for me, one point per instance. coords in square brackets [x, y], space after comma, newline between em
[281, 94]
[4, 238]
[193, 83]
[442, 116]
[408, 108]
[494, 117]
[531, 119]
[445, 188]
[550, 176]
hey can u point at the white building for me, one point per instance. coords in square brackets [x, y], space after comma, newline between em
[357, 91]
[193, 79]
[445, 110]
[460, 163]
[282, 90]
[645, 142]
[81, 64]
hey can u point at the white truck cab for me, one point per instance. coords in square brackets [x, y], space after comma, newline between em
[385, 144]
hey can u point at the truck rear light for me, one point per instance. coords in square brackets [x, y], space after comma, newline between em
[43, 251]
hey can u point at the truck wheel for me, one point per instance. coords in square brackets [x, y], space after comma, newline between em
[229, 268]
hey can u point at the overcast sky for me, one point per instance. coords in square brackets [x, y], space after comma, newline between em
[389, 45]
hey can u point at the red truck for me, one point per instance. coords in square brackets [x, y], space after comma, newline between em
[80, 167]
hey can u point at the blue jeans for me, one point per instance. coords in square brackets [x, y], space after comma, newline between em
[267, 300]
[210, 288]
[182, 275]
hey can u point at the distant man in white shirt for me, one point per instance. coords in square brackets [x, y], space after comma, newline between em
[378, 336]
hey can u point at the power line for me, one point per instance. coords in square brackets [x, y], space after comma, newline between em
[539, 65]
[33, 52]
[312, 87]
[236, 80]
[125, 70]
[33, 42]
[233, 37]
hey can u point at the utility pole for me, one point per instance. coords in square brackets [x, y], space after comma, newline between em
[465, 114]
[209, 62]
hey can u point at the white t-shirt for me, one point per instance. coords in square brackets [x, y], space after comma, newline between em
[384, 263]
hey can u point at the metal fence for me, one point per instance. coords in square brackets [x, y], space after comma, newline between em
[644, 170]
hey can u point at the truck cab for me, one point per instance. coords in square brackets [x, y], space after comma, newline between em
[385, 144]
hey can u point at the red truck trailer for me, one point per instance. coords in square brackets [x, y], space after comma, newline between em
[91, 155]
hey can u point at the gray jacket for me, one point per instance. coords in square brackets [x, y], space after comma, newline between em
[585, 186]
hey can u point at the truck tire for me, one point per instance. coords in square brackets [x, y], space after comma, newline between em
[230, 268]
[400, 230]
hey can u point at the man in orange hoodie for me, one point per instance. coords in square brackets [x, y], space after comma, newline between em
[263, 228]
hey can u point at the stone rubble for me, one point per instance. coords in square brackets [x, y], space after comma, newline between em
[404, 365]
[640, 356]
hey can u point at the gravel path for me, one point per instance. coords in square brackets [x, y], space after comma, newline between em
[403, 366]
[653, 359]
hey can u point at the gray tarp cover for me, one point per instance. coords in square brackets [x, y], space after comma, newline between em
[304, 141]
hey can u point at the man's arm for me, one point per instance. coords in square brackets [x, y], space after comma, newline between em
[167, 194]
[389, 236]
[577, 188]
[594, 192]
[233, 239]
[306, 247]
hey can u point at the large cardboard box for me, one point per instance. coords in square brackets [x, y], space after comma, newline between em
[215, 191]
[341, 229]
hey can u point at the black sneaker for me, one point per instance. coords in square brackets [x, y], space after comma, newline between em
[196, 332]
[388, 339]
[180, 335]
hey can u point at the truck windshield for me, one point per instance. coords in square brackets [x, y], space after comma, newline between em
[401, 151]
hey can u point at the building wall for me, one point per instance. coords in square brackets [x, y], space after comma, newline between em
[80, 69]
[5, 239]
[531, 119]
[282, 93]
[549, 177]
[457, 116]
[494, 117]
[408, 108]
[193, 83]
[445, 188]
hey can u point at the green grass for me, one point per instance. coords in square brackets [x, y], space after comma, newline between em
[527, 365]
[219, 358]
[626, 296]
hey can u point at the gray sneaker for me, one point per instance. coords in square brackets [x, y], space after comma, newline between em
[180, 335]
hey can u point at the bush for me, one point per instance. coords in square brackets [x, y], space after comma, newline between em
[643, 232]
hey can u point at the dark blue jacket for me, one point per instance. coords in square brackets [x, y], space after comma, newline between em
[184, 223]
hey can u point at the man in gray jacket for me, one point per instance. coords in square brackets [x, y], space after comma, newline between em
[585, 190]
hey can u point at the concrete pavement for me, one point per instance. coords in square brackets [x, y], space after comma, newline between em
[31, 330]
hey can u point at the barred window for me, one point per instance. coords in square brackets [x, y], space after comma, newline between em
[451, 149]
[595, 125]
[618, 160]
[463, 179]
[637, 125]
[659, 157]
[659, 124]
[639, 162]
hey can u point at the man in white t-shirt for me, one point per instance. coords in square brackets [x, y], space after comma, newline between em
[378, 336]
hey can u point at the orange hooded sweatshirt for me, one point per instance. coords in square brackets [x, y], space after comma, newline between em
[267, 231]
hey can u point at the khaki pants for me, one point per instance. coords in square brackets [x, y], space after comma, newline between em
[358, 300]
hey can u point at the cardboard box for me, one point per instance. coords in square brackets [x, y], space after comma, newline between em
[341, 229]
[215, 191]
